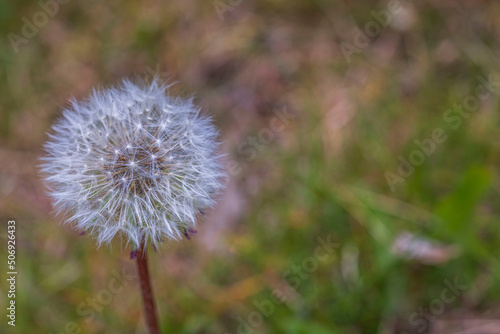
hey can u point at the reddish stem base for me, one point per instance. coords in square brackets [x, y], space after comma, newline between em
[147, 293]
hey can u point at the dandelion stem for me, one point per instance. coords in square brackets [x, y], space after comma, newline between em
[147, 293]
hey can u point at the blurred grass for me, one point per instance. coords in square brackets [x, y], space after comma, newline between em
[323, 175]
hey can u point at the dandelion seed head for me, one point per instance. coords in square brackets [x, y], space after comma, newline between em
[147, 178]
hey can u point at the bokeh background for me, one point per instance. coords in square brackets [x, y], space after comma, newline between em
[313, 114]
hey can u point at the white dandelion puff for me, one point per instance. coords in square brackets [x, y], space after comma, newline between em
[133, 161]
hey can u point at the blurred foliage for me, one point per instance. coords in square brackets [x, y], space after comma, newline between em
[322, 176]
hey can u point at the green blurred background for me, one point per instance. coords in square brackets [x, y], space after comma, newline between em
[314, 114]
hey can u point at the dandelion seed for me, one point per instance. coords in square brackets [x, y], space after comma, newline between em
[137, 198]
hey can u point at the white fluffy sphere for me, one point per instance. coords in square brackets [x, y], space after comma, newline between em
[133, 161]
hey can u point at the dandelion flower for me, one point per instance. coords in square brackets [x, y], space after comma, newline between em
[135, 162]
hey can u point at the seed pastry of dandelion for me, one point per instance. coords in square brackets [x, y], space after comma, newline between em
[133, 162]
